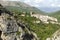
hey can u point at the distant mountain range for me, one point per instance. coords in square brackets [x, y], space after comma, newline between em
[55, 14]
[49, 9]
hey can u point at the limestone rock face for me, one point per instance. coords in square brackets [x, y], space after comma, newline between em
[10, 29]
[8, 25]
[45, 18]
[55, 36]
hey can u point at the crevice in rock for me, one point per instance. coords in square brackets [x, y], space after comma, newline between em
[15, 39]
[0, 35]
[28, 36]
[21, 25]
[0, 12]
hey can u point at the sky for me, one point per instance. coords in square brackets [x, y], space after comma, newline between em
[41, 3]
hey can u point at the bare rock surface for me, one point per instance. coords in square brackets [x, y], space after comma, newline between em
[10, 29]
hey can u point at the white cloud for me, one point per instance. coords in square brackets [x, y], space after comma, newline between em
[26, 1]
[3, 0]
[36, 5]
[10, 0]
[53, 5]
[58, 5]
[14, 0]
[33, 1]
[38, 1]
[41, 3]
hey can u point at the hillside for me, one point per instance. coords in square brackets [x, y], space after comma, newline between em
[16, 25]
[49, 9]
[56, 15]
[20, 6]
[13, 29]
[38, 26]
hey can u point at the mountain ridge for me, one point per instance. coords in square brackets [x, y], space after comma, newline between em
[21, 6]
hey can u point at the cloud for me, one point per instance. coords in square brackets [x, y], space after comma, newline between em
[8, 0]
[58, 5]
[27, 1]
[41, 3]
[53, 5]
[11, 0]
[35, 5]
[14, 0]
[3, 0]
[38, 1]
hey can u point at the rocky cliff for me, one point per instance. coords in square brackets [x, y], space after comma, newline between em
[11, 29]
[55, 36]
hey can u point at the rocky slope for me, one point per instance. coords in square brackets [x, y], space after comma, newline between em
[11, 29]
[45, 18]
[55, 36]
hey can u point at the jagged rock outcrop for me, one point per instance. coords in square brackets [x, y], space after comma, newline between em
[10, 29]
[45, 18]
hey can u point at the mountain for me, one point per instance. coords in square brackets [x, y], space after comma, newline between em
[49, 9]
[11, 29]
[20, 6]
[55, 14]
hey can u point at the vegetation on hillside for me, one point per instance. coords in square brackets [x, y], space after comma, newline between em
[56, 15]
[25, 9]
[42, 30]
